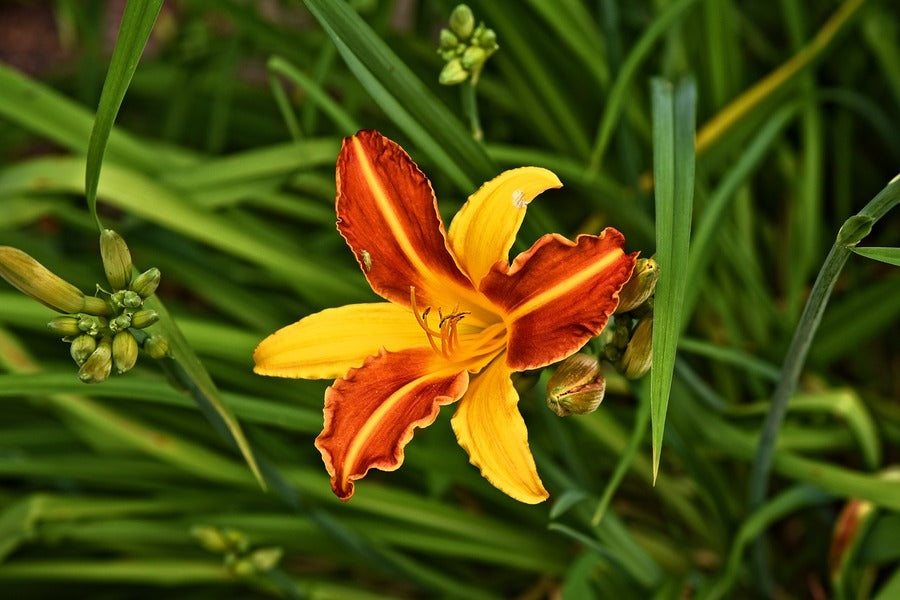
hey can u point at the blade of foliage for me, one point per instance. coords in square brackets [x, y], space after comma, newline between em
[134, 30]
[346, 123]
[618, 94]
[403, 96]
[890, 256]
[783, 505]
[709, 223]
[188, 369]
[673, 170]
[642, 419]
[141, 196]
[852, 232]
[44, 111]
[778, 80]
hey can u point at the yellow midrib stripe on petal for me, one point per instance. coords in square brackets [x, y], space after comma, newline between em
[387, 209]
[379, 415]
[565, 287]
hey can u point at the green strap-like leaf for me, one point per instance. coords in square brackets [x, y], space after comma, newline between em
[403, 96]
[673, 171]
[890, 256]
[137, 22]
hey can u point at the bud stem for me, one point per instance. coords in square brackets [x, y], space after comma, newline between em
[470, 107]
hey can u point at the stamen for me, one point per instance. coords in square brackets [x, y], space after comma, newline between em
[445, 339]
[421, 320]
[448, 329]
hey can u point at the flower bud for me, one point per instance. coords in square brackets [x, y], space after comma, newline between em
[577, 386]
[64, 326]
[851, 526]
[82, 347]
[144, 318]
[157, 346]
[95, 306]
[211, 538]
[146, 283]
[236, 540]
[242, 567]
[448, 40]
[854, 230]
[99, 364]
[641, 285]
[124, 351]
[117, 299]
[116, 259]
[453, 73]
[638, 357]
[91, 325]
[462, 21]
[131, 299]
[473, 58]
[33, 279]
[265, 559]
[488, 40]
[120, 323]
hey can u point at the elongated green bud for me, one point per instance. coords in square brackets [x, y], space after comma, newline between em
[146, 283]
[641, 285]
[82, 347]
[116, 259]
[448, 39]
[462, 21]
[98, 366]
[95, 306]
[211, 538]
[64, 326]
[473, 58]
[144, 318]
[34, 279]
[577, 386]
[124, 351]
[453, 73]
[487, 39]
[266, 559]
[638, 357]
[157, 347]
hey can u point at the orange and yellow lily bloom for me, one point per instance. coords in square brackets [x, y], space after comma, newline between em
[458, 321]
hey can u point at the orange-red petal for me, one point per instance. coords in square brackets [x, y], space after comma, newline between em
[558, 295]
[387, 213]
[371, 413]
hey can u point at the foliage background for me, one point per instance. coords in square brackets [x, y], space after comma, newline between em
[208, 177]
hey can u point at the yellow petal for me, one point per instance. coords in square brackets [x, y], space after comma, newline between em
[484, 229]
[488, 425]
[327, 344]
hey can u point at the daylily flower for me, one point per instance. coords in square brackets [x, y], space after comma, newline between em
[458, 321]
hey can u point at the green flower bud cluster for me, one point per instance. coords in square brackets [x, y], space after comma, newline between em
[102, 331]
[630, 347]
[578, 384]
[465, 47]
[627, 343]
[235, 548]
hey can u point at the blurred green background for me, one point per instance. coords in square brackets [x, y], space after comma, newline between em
[220, 171]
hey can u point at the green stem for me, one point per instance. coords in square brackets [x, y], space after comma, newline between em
[470, 108]
[803, 336]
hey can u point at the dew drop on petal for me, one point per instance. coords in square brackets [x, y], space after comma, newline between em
[518, 199]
